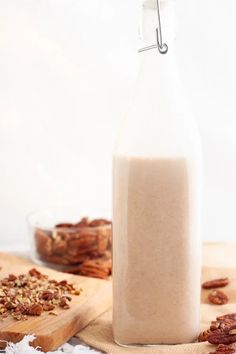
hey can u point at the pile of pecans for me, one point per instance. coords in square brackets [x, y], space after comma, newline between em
[31, 294]
[83, 248]
[222, 331]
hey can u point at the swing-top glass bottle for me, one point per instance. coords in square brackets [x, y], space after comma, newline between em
[156, 206]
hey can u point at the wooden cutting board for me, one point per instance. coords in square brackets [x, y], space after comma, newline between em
[52, 331]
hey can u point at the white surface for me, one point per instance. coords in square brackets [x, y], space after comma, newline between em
[23, 347]
[66, 71]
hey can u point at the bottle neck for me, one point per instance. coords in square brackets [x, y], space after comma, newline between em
[158, 71]
[149, 22]
[158, 122]
[158, 85]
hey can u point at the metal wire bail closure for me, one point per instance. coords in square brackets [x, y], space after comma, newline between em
[162, 47]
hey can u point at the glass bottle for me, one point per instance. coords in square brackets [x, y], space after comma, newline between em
[156, 206]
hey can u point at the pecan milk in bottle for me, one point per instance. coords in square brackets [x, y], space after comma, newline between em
[156, 207]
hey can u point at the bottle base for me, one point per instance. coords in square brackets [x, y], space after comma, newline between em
[134, 345]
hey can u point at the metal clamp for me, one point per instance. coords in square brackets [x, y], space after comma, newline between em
[162, 47]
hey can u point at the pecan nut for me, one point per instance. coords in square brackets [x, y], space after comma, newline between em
[59, 246]
[203, 336]
[224, 349]
[35, 310]
[97, 268]
[227, 317]
[47, 295]
[223, 336]
[10, 305]
[217, 297]
[215, 283]
[12, 277]
[35, 273]
[215, 325]
[48, 306]
[99, 222]
[43, 242]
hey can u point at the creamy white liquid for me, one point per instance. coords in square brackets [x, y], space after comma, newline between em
[156, 251]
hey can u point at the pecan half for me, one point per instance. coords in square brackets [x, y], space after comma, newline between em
[12, 277]
[215, 325]
[35, 310]
[65, 225]
[99, 222]
[21, 308]
[227, 317]
[43, 242]
[59, 246]
[84, 222]
[215, 283]
[217, 297]
[63, 303]
[97, 268]
[222, 336]
[10, 305]
[203, 336]
[35, 273]
[224, 321]
[47, 295]
[224, 349]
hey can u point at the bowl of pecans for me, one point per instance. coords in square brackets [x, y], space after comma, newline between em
[62, 240]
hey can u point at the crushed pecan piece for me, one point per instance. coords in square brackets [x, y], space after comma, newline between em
[48, 306]
[54, 313]
[215, 283]
[217, 297]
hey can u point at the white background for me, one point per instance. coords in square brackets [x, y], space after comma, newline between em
[67, 69]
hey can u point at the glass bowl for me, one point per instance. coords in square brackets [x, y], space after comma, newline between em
[62, 239]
